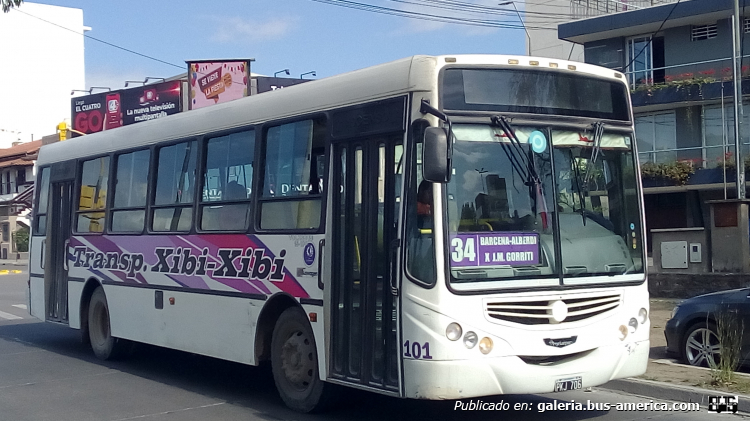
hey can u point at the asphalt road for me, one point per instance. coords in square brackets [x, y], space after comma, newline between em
[47, 374]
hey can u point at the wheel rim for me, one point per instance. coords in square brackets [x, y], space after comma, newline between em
[702, 347]
[100, 328]
[298, 360]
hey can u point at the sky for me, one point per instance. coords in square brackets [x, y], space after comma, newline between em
[299, 35]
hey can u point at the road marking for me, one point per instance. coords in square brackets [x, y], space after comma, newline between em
[8, 316]
[21, 306]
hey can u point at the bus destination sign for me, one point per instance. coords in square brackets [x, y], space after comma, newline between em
[494, 249]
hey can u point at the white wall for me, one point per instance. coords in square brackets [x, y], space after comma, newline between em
[544, 42]
[41, 64]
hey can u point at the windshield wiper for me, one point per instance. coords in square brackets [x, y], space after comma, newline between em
[598, 129]
[517, 156]
[583, 190]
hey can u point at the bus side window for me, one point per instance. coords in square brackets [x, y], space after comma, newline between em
[131, 185]
[92, 201]
[420, 247]
[294, 162]
[40, 219]
[225, 203]
[175, 187]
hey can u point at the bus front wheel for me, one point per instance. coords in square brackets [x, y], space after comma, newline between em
[105, 346]
[294, 362]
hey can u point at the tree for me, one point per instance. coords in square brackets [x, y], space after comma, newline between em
[8, 4]
[21, 237]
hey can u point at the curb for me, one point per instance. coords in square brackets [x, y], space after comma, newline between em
[22, 263]
[666, 391]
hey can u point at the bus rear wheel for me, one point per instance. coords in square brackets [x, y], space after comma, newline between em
[105, 346]
[294, 362]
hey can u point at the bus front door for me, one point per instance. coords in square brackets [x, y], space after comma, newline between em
[58, 236]
[364, 309]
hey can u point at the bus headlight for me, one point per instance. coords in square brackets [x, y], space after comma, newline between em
[642, 315]
[470, 339]
[633, 324]
[453, 331]
[485, 345]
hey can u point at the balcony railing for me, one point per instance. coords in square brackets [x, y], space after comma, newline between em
[588, 8]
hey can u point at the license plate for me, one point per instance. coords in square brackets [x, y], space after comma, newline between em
[572, 383]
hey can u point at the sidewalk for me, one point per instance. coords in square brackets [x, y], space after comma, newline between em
[18, 264]
[665, 377]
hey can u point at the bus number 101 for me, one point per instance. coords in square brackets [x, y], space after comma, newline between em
[417, 351]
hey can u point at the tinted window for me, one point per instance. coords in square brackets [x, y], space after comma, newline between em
[534, 91]
[294, 168]
[131, 186]
[175, 187]
[228, 178]
[93, 195]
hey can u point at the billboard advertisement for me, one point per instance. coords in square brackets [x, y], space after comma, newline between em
[108, 110]
[214, 82]
[267, 84]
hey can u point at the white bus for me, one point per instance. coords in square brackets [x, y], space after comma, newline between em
[434, 228]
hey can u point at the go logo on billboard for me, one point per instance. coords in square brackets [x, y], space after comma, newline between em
[89, 119]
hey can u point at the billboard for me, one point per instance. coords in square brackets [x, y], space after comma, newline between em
[267, 84]
[108, 110]
[214, 82]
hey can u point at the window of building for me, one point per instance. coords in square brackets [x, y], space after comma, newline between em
[640, 57]
[175, 187]
[92, 200]
[703, 32]
[293, 178]
[657, 137]
[131, 185]
[21, 177]
[718, 134]
[227, 182]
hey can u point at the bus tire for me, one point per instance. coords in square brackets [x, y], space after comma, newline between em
[105, 346]
[294, 362]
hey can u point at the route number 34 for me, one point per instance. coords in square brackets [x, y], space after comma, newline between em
[417, 350]
[461, 250]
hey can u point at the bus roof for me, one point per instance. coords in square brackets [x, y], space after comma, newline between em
[416, 73]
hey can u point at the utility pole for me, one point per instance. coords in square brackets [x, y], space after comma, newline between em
[736, 43]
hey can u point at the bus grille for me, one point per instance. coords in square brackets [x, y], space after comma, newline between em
[538, 310]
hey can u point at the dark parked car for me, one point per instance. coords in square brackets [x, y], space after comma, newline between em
[691, 332]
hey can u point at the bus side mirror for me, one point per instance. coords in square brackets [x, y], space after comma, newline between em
[436, 156]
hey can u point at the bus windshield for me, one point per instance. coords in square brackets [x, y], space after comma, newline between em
[555, 204]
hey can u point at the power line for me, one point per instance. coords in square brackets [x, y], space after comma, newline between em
[102, 41]
[425, 16]
[625, 69]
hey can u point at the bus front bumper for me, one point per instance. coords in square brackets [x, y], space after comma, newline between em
[438, 380]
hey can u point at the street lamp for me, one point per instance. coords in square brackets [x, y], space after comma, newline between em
[528, 43]
[308, 73]
[286, 71]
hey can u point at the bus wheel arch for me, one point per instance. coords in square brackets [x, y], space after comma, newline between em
[270, 313]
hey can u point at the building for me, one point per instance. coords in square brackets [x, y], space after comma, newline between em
[16, 193]
[43, 62]
[677, 58]
[541, 18]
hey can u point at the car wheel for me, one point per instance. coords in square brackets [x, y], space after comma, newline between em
[700, 346]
